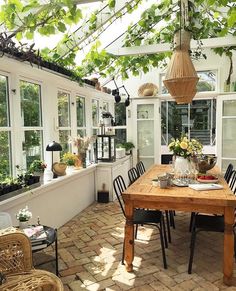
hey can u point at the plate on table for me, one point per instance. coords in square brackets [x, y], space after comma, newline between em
[207, 179]
[180, 183]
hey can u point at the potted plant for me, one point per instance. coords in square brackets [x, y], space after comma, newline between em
[128, 146]
[23, 216]
[37, 167]
[69, 159]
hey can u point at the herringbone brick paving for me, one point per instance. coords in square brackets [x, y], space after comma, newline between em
[90, 249]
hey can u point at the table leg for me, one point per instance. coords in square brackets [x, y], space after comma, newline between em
[228, 245]
[129, 236]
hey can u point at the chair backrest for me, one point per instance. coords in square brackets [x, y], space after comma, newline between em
[119, 187]
[228, 172]
[140, 168]
[133, 175]
[5, 220]
[232, 181]
[16, 252]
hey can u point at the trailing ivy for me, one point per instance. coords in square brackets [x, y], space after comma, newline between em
[157, 24]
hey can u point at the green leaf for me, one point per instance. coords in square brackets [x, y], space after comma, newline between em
[61, 27]
[29, 35]
[111, 3]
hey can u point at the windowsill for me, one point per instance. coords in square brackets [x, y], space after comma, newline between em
[38, 188]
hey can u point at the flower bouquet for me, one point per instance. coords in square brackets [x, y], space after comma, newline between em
[185, 147]
[24, 214]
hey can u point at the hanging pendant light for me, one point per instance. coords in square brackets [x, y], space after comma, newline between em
[181, 77]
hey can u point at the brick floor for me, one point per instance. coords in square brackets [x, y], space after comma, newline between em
[90, 249]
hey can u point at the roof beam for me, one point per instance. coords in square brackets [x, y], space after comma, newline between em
[165, 47]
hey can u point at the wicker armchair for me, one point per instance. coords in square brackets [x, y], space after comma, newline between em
[16, 265]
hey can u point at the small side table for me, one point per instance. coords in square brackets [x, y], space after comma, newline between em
[51, 238]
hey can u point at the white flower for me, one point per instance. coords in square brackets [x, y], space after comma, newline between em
[24, 214]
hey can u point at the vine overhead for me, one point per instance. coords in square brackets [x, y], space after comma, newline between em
[22, 22]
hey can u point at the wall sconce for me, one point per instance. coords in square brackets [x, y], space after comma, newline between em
[116, 93]
[53, 147]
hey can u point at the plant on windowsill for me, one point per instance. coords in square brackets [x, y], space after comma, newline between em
[37, 166]
[69, 159]
[128, 147]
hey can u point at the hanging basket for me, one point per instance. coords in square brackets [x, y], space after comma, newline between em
[181, 77]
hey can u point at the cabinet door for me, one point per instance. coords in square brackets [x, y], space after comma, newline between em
[226, 140]
[147, 117]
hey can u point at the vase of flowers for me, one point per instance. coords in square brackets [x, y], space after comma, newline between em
[70, 160]
[24, 216]
[184, 149]
[82, 144]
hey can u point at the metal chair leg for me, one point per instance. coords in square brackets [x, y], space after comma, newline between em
[162, 243]
[168, 225]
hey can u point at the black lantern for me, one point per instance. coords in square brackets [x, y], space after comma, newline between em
[53, 147]
[105, 148]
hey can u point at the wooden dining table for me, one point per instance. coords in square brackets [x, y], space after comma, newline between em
[142, 194]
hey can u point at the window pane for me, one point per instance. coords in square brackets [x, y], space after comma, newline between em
[105, 106]
[120, 136]
[5, 157]
[145, 111]
[177, 120]
[229, 138]
[63, 109]
[202, 121]
[207, 81]
[198, 120]
[30, 103]
[95, 112]
[229, 108]
[64, 141]
[4, 116]
[81, 132]
[145, 137]
[32, 146]
[120, 114]
[80, 107]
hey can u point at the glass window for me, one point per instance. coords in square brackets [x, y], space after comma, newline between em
[95, 113]
[63, 109]
[197, 120]
[120, 135]
[81, 120]
[207, 81]
[4, 113]
[5, 153]
[32, 146]
[80, 109]
[105, 106]
[64, 136]
[5, 135]
[64, 120]
[31, 114]
[30, 94]
[120, 114]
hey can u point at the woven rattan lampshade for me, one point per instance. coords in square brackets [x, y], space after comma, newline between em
[181, 77]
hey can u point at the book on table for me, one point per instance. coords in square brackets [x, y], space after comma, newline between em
[36, 234]
[39, 246]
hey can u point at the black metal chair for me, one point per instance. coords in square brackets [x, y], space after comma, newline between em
[140, 168]
[212, 223]
[133, 175]
[228, 172]
[142, 216]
